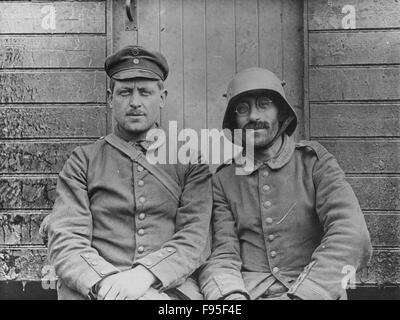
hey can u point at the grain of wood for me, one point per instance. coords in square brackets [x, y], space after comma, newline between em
[42, 121]
[71, 17]
[375, 47]
[355, 120]
[327, 14]
[77, 51]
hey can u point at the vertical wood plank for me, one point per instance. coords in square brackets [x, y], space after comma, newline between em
[121, 37]
[220, 57]
[148, 24]
[171, 45]
[194, 62]
[271, 50]
[292, 33]
[246, 24]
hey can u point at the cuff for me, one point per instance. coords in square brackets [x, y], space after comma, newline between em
[98, 269]
[155, 263]
[309, 290]
[222, 285]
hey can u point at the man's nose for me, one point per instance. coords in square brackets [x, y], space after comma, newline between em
[254, 113]
[135, 100]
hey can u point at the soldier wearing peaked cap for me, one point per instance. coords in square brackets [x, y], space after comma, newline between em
[122, 228]
[288, 227]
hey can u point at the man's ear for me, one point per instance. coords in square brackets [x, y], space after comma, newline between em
[109, 98]
[163, 97]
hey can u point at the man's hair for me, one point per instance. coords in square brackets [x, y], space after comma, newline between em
[160, 84]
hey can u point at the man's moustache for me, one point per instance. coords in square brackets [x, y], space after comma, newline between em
[256, 125]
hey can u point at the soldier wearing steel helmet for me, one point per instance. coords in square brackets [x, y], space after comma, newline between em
[290, 226]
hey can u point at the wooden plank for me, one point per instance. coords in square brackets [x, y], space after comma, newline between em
[194, 62]
[172, 48]
[52, 86]
[35, 157]
[357, 120]
[149, 16]
[121, 37]
[371, 156]
[327, 14]
[27, 192]
[21, 228]
[41, 121]
[246, 24]
[377, 193]
[220, 57]
[52, 51]
[23, 264]
[383, 269]
[31, 264]
[384, 228]
[293, 58]
[70, 17]
[346, 83]
[270, 31]
[376, 47]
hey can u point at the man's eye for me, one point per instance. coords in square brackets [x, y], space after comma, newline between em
[264, 103]
[124, 93]
[145, 93]
[242, 108]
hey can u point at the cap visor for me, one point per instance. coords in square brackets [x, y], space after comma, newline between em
[135, 73]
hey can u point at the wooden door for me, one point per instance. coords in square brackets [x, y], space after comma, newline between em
[207, 41]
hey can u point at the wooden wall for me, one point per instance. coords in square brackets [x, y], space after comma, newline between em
[52, 98]
[352, 107]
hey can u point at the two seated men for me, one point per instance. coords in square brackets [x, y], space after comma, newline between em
[123, 228]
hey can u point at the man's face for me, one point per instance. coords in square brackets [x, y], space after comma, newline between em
[136, 104]
[257, 113]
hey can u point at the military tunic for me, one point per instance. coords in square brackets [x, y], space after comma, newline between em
[111, 214]
[293, 220]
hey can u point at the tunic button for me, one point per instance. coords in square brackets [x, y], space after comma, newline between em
[265, 173]
[267, 204]
[141, 232]
[275, 270]
[266, 188]
[141, 183]
[269, 220]
[142, 199]
[273, 254]
[142, 216]
[140, 168]
[271, 237]
[140, 249]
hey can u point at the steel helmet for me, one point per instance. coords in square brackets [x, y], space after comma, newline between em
[255, 80]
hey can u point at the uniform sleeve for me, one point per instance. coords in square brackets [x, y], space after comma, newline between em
[346, 243]
[179, 257]
[221, 274]
[70, 230]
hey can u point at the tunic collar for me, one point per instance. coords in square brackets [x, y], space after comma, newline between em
[283, 156]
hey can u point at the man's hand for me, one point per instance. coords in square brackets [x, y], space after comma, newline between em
[236, 296]
[126, 285]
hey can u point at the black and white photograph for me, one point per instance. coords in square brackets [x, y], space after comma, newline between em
[212, 150]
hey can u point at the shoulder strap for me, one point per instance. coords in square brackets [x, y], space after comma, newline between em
[319, 150]
[169, 183]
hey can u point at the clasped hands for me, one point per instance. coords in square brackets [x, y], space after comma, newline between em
[126, 285]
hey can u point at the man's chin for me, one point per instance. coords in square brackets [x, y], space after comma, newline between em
[137, 128]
